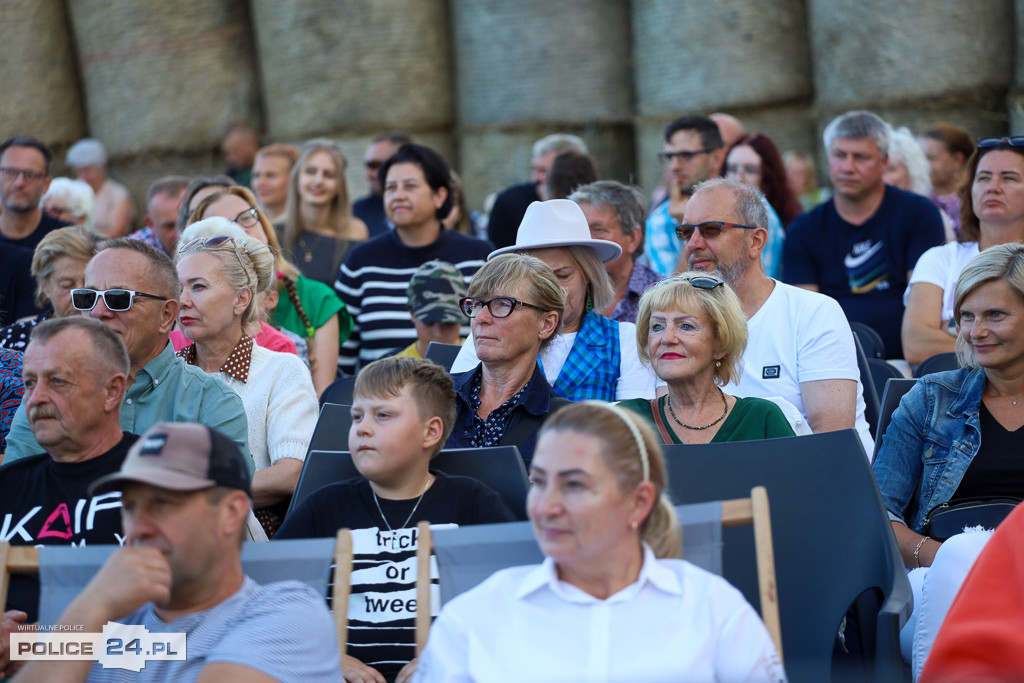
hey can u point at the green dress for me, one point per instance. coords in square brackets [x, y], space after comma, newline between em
[751, 419]
[320, 303]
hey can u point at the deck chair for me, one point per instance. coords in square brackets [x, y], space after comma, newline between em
[869, 339]
[940, 362]
[868, 390]
[442, 354]
[339, 391]
[833, 543]
[895, 389]
[64, 571]
[331, 431]
[466, 556]
[499, 467]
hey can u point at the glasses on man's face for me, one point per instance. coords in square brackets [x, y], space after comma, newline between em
[666, 157]
[11, 173]
[373, 165]
[989, 143]
[708, 229]
[248, 218]
[499, 306]
[84, 299]
[702, 281]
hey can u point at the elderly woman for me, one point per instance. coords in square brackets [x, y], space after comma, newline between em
[308, 308]
[515, 308]
[58, 266]
[71, 201]
[221, 271]
[692, 331]
[319, 227]
[593, 357]
[952, 447]
[993, 214]
[607, 600]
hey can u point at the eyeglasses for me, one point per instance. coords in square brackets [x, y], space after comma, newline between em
[248, 218]
[684, 156]
[212, 243]
[10, 173]
[702, 281]
[84, 299]
[708, 229]
[989, 143]
[374, 165]
[499, 306]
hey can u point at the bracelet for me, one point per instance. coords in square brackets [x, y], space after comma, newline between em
[917, 551]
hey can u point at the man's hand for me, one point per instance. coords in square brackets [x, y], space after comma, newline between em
[677, 201]
[405, 675]
[132, 577]
[10, 623]
[355, 671]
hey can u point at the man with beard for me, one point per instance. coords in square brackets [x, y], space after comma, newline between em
[24, 179]
[799, 344]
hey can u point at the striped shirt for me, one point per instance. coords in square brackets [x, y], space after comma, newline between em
[373, 282]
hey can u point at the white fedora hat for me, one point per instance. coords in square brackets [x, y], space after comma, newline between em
[558, 223]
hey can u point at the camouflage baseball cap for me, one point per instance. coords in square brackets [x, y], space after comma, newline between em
[434, 292]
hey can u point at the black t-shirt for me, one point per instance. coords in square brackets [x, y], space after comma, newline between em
[47, 223]
[44, 502]
[17, 286]
[382, 606]
[508, 211]
[996, 470]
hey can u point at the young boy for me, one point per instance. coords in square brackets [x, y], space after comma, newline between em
[402, 412]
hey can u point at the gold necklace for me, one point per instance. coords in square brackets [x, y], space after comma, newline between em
[725, 404]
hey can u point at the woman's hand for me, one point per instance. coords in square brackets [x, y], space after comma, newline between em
[908, 541]
[405, 675]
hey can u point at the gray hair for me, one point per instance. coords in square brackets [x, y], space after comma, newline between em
[74, 242]
[625, 200]
[904, 148]
[559, 142]
[80, 198]
[108, 347]
[162, 275]
[750, 202]
[86, 152]
[859, 125]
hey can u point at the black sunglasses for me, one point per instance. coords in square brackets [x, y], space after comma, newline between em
[708, 229]
[702, 281]
[685, 156]
[499, 306]
[989, 143]
[84, 299]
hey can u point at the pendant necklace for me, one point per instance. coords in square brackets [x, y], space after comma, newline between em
[725, 404]
[308, 253]
[414, 507]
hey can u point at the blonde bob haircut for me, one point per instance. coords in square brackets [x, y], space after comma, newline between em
[620, 451]
[503, 275]
[245, 261]
[720, 305]
[77, 242]
[1001, 262]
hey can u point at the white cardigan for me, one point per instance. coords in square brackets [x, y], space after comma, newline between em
[280, 404]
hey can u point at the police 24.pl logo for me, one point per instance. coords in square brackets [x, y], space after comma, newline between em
[120, 646]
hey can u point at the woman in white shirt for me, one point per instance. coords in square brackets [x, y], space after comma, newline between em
[992, 212]
[222, 270]
[605, 605]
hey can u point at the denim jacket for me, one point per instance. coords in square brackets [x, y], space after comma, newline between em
[932, 439]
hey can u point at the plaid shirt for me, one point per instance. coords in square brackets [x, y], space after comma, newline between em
[591, 370]
[146, 235]
[640, 280]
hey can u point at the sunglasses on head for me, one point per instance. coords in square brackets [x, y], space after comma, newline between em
[213, 243]
[84, 299]
[702, 281]
[708, 229]
[989, 143]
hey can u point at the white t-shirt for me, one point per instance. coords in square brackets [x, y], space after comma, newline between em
[635, 379]
[799, 336]
[676, 623]
[941, 266]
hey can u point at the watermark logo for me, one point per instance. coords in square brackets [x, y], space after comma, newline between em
[120, 646]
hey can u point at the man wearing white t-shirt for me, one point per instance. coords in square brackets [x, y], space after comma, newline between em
[799, 344]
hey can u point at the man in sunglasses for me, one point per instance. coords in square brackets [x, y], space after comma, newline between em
[799, 344]
[24, 179]
[370, 209]
[133, 289]
[861, 246]
[693, 153]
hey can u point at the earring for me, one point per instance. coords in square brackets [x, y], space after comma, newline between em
[590, 303]
[634, 525]
[718, 363]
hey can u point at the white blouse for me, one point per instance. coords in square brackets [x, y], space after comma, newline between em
[676, 623]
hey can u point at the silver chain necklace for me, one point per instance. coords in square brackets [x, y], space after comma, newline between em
[414, 507]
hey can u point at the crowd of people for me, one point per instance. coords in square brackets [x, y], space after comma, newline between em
[165, 379]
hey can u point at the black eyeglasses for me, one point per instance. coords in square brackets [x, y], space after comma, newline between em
[684, 156]
[248, 218]
[499, 306]
[374, 165]
[702, 281]
[989, 143]
[84, 299]
[708, 229]
[10, 173]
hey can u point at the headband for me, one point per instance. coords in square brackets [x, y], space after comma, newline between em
[645, 461]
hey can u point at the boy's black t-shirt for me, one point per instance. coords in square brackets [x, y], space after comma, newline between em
[45, 502]
[382, 606]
